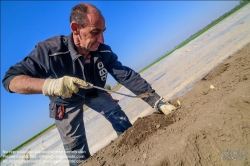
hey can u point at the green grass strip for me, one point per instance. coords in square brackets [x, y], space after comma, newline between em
[26, 142]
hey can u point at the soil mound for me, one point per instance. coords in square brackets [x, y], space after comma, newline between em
[212, 127]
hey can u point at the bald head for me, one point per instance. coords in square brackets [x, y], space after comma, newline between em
[87, 25]
[80, 13]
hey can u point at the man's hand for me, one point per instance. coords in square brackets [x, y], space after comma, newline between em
[164, 106]
[64, 86]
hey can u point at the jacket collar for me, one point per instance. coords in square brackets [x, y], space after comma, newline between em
[71, 46]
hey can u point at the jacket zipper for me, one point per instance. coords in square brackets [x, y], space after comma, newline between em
[82, 69]
[58, 53]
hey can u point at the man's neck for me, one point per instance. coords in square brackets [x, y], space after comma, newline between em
[83, 51]
[80, 50]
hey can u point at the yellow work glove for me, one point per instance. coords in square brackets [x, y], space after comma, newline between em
[64, 86]
[164, 106]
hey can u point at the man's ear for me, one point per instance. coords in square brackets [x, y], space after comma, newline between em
[74, 28]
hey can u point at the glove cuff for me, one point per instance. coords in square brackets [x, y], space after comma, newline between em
[47, 87]
[158, 103]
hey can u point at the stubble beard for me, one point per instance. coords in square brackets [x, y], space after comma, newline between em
[89, 48]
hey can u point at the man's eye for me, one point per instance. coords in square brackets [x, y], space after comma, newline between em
[95, 32]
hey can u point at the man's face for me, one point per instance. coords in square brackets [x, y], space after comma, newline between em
[91, 35]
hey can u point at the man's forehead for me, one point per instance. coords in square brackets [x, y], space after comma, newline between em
[96, 22]
[95, 18]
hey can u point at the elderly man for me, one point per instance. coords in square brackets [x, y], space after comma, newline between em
[58, 66]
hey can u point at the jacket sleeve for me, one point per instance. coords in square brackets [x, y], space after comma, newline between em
[131, 79]
[36, 64]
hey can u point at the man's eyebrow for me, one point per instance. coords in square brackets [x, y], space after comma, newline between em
[94, 29]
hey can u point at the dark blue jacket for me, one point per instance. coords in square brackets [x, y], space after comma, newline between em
[57, 57]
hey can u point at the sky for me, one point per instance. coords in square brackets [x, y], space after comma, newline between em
[138, 32]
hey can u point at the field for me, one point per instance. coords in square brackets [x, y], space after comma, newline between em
[212, 127]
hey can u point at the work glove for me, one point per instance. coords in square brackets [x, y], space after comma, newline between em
[64, 86]
[164, 107]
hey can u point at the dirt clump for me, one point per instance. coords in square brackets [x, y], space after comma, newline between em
[212, 127]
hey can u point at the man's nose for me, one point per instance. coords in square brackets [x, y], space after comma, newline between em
[100, 38]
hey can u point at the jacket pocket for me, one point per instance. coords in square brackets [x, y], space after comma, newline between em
[52, 110]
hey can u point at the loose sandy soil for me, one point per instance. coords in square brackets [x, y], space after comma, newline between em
[212, 127]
